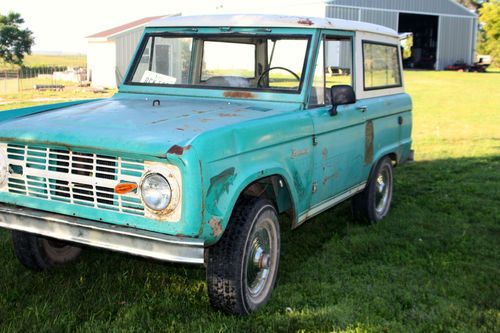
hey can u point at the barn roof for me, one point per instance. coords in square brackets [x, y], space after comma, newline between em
[431, 7]
[124, 27]
[269, 21]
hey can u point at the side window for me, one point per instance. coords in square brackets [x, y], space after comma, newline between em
[381, 66]
[333, 68]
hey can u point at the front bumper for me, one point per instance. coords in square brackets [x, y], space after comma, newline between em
[103, 235]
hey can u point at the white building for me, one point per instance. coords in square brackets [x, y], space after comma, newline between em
[110, 52]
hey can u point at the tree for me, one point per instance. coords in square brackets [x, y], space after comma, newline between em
[471, 4]
[15, 42]
[489, 15]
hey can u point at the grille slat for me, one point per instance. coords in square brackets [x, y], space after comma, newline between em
[79, 178]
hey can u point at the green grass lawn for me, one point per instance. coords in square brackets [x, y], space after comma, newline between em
[432, 266]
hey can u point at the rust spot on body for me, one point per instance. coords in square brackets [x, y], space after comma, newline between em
[326, 179]
[305, 21]
[238, 94]
[159, 121]
[178, 150]
[227, 115]
[369, 137]
[324, 154]
[297, 152]
[216, 226]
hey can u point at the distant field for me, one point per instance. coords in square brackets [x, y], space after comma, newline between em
[36, 60]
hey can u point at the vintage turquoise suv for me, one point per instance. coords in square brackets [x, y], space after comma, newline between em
[221, 125]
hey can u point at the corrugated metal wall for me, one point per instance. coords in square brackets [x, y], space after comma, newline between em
[352, 14]
[388, 19]
[424, 6]
[126, 45]
[455, 41]
[457, 26]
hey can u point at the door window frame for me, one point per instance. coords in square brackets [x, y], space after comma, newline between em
[324, 34]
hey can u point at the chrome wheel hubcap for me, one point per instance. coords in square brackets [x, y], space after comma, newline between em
[382, 191]
[261, 260]
[258, 266]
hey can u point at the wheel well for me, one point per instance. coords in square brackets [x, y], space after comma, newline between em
[275, 189]
[394, 158]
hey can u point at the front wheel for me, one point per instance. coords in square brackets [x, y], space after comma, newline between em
[39, 253]
[374, 202]
[242, 267]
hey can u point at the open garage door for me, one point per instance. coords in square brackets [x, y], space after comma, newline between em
[425, 39]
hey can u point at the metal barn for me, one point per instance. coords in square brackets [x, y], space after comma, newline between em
[444, 32]
[110, 52]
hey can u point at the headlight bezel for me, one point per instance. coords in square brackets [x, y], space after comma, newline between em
[172, 175]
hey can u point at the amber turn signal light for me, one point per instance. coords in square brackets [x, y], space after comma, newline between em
[125, 188]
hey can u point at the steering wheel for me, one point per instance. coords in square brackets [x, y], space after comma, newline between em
[259, 82]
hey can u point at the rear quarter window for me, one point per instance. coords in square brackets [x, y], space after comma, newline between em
[381, 66]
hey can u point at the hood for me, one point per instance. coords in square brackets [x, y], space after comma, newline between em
[131, 124]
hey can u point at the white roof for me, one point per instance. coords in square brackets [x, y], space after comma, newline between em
[269, 21]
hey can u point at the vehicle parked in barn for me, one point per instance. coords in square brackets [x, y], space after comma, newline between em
[221, 124]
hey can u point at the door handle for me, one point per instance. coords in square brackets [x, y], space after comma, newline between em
[362, 108]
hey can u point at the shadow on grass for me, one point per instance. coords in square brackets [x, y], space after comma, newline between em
[431, 264]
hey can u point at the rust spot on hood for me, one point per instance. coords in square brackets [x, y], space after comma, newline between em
[227, 115]
[305, 21]
[178, 150]
[238, 94]
[216, 226]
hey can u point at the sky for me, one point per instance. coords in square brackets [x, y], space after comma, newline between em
[60, 26]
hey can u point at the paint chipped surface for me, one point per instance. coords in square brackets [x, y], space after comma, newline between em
[334, 176]
[324, 154]
[239, 94]
[299, 152]
[178, 150]
[216, 226]
[219, 185]
[227, 115]
[369, 137]
[305, 21]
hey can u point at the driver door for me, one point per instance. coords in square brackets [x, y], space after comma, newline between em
[339, 139]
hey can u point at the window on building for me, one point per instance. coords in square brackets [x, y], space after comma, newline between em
[381, 66]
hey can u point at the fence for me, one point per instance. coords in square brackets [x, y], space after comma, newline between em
[25, 79]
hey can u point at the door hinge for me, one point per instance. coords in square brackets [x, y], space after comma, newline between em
[315, 187]
[315, 140]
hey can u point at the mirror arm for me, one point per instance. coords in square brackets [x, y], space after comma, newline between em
[333, 110]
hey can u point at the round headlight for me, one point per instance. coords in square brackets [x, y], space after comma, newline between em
[156, 192]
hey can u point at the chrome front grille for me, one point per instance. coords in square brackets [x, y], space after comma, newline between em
[73, 177]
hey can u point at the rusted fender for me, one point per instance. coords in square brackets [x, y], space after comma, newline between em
[223, 191]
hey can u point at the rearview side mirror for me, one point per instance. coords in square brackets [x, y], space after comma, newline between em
[341, 95]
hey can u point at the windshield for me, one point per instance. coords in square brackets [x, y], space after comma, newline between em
[243, 62]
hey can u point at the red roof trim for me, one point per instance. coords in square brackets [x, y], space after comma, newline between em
[127, 26]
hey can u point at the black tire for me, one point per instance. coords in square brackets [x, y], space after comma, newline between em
[373, 204]
[39, 253]
[242, 267]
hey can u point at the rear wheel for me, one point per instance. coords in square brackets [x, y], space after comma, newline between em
[242, 267]
[39, 253]
[373, 204]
